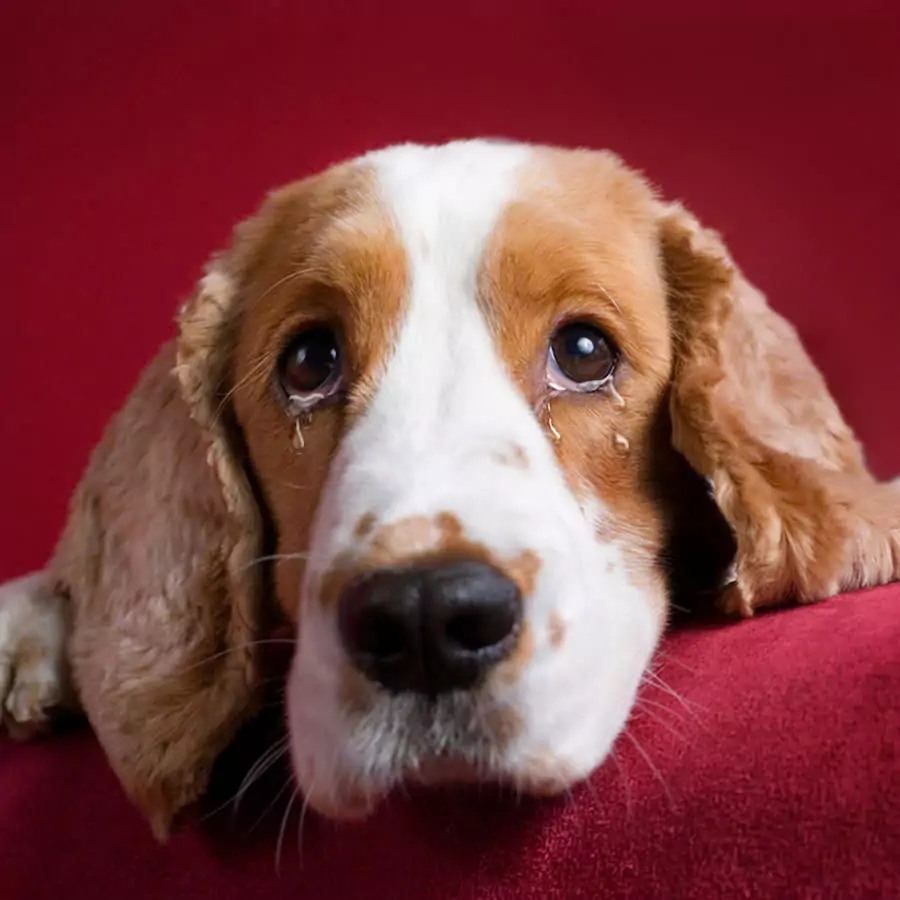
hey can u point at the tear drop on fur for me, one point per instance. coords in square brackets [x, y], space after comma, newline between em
[554, 434]
[297, 441]
[617, 397]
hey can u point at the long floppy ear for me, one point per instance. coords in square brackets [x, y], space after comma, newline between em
[751, 412]
[158, 562]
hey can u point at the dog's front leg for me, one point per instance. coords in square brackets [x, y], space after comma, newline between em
[34, 677]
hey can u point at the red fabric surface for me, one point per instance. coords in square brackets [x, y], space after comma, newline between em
[134, 135]
[778, 776]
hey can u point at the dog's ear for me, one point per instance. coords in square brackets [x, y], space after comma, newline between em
[752, 414]
[160, 561]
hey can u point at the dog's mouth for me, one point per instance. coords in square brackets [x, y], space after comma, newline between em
[407, 742]
[440, 771]
[349, 799]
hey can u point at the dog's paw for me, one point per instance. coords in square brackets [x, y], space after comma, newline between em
[32, 655]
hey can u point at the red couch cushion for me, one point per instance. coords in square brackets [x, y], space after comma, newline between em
[774, 772]
[134, 135]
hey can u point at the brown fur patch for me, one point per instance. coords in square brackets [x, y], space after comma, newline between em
[162, 646]
[556, 629]
[504, 724]
[364, 526]
[405, 539]
[514, 457]
[425, 539]
[523, 569]
[353, 277]
[580, 243]
[751, 412]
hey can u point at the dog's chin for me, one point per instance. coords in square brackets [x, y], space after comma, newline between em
[351, 800]
[346, 806]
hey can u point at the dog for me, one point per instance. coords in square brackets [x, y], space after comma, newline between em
[472, 419]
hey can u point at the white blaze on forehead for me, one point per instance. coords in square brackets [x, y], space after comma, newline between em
[445, 402]
[448, 198]
[445, 203]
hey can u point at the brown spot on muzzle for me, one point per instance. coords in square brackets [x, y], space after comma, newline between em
[364, 526]
[515, 457]
[505, 724]
[422, 540]
[403, 541]
[556, 629]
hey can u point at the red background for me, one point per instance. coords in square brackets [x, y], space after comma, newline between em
[135, 134]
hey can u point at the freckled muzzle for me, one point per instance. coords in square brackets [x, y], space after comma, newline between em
[431, 628]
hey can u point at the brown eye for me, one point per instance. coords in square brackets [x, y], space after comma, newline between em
[581, 357]
[310, 366]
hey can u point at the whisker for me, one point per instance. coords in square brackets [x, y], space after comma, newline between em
[656, 718]
[230, 800]
[657, 681]
[652, 766]
[272, 557]
[236, 649]
[609, 297]
[626, 784]
[284, 821]
[262, 364]
[663, 707]
[673, 659]
[272, 803]
[258, 769]
[216, 810]
[300, 824]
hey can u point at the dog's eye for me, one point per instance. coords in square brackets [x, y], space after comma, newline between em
[309, 370]
[581, 358]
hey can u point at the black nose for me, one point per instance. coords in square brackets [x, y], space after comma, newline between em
[430, 628]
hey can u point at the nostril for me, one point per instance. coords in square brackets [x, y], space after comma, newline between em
[379, 623]
[478, 629]
[381, 635]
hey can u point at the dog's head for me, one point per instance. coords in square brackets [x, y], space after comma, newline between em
[497, 404]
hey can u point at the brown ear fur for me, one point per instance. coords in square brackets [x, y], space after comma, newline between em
[751, 412]
[157, 560]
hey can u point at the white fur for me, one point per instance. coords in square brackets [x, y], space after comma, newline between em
[433, 441]
[32, 650]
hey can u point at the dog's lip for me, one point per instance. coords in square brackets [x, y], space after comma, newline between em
[441, 770]
[346, 808]
[438, 773]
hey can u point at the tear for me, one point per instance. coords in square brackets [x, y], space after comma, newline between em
[297, 441]
[300, 420]
[548, 421]
[619, 399]
[557, 437]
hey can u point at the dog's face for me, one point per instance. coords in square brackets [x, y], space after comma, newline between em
[488, 407]
[449, 372]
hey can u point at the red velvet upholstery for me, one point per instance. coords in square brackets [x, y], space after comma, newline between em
[779, 777]
[131, 138]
